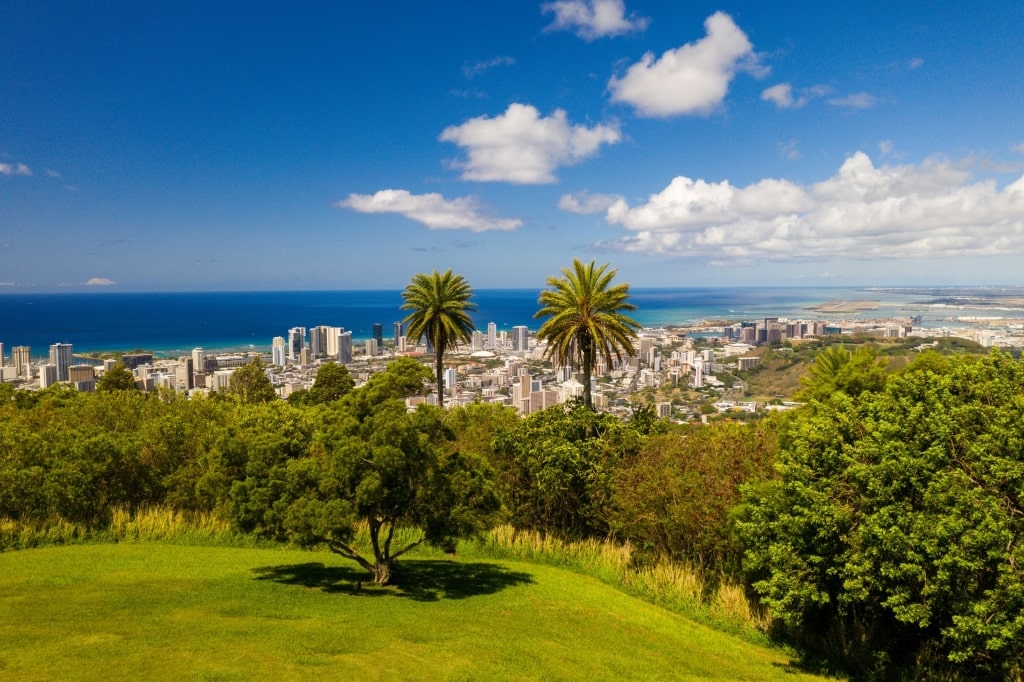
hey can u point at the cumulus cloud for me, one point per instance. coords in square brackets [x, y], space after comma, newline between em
[522, 147]
[859, 100]
[99, 282]
[473, 70]
[586, 203]
[928, 210]
[432, 210]
[15, 169]
[692, 79]
[592, 19]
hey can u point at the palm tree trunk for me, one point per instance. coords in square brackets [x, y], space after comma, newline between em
[587, 350]
[440, 375]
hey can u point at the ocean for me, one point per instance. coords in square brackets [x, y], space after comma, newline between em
[172, 324]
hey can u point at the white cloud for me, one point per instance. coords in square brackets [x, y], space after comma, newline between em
[586, 203]
[521, 147]
[53, 174]
[915, 63]
[432, 210]
[592, 19]
[15, 169]
[99, 282]
[692, 79]
[782, 95]
[860, 100]
[476, 68]
[863, 212]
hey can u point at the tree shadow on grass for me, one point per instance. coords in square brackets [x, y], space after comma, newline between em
[424, 580]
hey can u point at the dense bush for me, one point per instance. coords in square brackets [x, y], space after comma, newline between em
[891, 541]
[675, 497]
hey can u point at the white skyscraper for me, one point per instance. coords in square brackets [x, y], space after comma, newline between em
[477, 342]
[450, 380]
[371, 347]
[279, 351]
[198, 360]
[492, 335]
[60, 355]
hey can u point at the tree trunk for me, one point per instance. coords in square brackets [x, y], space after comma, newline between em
[440, 376]
[382, 572]
[586, 350]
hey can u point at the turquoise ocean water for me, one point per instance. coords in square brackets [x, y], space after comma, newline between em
[174, 323]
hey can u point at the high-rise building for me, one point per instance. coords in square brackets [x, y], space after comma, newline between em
[318, 341]
[492, 336]
[397, 326]
[450, 379]
[378, 334]
[198, 360]
[1, 355]
[21, 358]
[371, 348]
[477, 342]
[47, 375]
[184, 374]
[278, 352]
[332, 340]
[520, 338]
[296, 342]
[60, 356]
[345, 347]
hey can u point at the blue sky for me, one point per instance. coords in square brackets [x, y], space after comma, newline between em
[185, 146]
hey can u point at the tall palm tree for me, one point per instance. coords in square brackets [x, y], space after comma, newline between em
[586, 319]
[440, 308]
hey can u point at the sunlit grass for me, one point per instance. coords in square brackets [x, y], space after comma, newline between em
[141, 610]
[685, 588]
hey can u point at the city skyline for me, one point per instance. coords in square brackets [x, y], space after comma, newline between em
[189, 147]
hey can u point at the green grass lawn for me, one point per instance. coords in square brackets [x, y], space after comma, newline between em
[162, 611]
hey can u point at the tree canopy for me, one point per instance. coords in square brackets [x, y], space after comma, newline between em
[117, 378]
[250, 384]
[440, 305]
[586, 319]
[892, 537]
[374, 463]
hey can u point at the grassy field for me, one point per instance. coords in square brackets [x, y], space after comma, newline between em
[161, 611]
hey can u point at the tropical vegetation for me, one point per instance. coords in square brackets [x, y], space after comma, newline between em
[440, 305]
[876, 529]
[586, 319]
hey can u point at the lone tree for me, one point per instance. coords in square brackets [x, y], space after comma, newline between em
[585, 319]
[333, 381]
[377, 464]
[117, 378]
[440, 305]
[251, 385]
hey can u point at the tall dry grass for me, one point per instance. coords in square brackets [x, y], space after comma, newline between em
[143, 525]
[689, 589]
